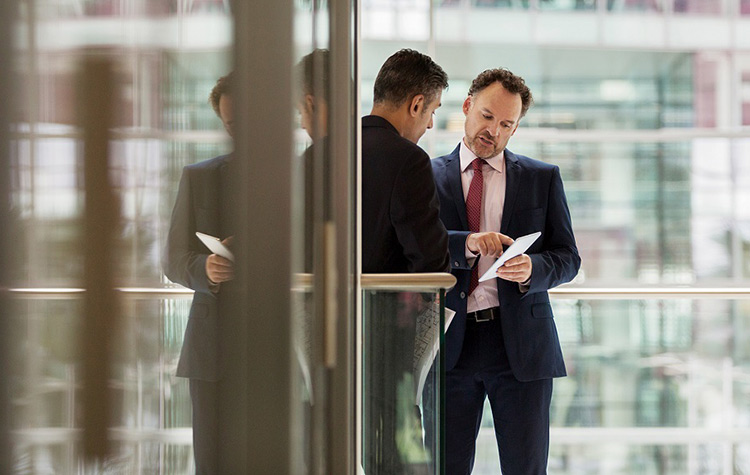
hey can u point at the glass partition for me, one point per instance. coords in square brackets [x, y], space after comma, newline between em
[166, 58]
[654, 386]
[402, 391]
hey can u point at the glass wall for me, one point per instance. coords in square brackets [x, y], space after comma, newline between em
[649, 127]
[167, 57]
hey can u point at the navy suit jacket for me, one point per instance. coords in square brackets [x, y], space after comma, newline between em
[197, 208]
[534, 201]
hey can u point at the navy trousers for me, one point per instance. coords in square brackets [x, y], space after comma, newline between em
[520, 410]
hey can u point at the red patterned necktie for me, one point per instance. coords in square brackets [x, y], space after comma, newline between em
[474, 211]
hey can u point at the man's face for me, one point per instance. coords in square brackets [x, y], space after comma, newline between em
[492, 117]
[313, 116]
[423, 120]
[226, 113]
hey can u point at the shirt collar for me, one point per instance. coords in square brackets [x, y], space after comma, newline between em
[467, 156]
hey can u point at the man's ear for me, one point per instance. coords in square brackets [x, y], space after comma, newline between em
[467, 105]
[416, 105]
[309, 103]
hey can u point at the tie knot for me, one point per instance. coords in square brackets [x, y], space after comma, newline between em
[477, 164]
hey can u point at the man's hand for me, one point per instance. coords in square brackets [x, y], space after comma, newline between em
[220, 269]
[517, 269]
[488, 244]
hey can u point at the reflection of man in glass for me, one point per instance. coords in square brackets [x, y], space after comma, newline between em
[199, 207]
[313, 104]
[313, 71]
[502, 343]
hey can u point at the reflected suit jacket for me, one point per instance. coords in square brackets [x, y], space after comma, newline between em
[197, 208]
[534, 201]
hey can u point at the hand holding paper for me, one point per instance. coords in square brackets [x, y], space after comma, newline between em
[219, 265]
[516, 249]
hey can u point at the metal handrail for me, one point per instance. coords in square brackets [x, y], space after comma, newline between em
[428, 281]
[650, 293]
[423, 282]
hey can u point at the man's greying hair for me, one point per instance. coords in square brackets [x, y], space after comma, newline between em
[313, 71]
[223, 86]
[512, 83]
[406, 74]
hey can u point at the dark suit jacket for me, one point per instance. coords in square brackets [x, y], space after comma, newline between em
[534, 201]
[401, 229]
[197, 208]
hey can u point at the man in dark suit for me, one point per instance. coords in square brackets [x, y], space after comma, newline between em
[203, 205]
[401, 232]
[502, 343]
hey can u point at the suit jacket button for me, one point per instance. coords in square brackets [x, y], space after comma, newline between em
[463, 295]
[456, 264]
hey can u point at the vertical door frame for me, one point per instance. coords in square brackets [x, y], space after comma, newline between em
[259, 427]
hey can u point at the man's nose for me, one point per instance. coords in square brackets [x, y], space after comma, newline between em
[494, 129]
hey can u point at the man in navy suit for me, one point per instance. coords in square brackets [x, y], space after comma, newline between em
[502, 343]
[203, 205]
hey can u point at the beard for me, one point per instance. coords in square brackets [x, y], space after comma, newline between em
[484, 147]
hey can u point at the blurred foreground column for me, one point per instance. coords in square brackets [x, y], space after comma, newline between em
[7, 17]
[95, 99]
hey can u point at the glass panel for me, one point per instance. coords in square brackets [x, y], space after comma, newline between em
[401, 387]
[163, 123]
[636, 368]
[152, 421]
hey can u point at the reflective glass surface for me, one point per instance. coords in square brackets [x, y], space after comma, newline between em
[401, 388]
[162, 122]
[653, 386]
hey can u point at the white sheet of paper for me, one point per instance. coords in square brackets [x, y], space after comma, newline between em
[214, 245]
[518, 247]
[427, 342]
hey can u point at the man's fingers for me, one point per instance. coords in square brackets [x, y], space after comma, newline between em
[220, 261]
[219, 269]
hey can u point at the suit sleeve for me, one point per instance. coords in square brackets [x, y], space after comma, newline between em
[559, 262]
[182, 264]
[416, 217]
[457, 246]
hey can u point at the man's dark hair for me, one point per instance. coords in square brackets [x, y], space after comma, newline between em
[512, 83]
[223, 86]
[406, 74]
[313, 72]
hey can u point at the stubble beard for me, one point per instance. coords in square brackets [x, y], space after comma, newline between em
[483, 150]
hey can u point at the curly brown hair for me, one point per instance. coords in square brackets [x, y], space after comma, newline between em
[512, 83]
[223, 86]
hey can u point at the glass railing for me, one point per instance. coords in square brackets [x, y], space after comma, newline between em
[658, 383]
[150, 428]
[403, 321]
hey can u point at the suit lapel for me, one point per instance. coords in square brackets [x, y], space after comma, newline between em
[454, 182]
[512, 185]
